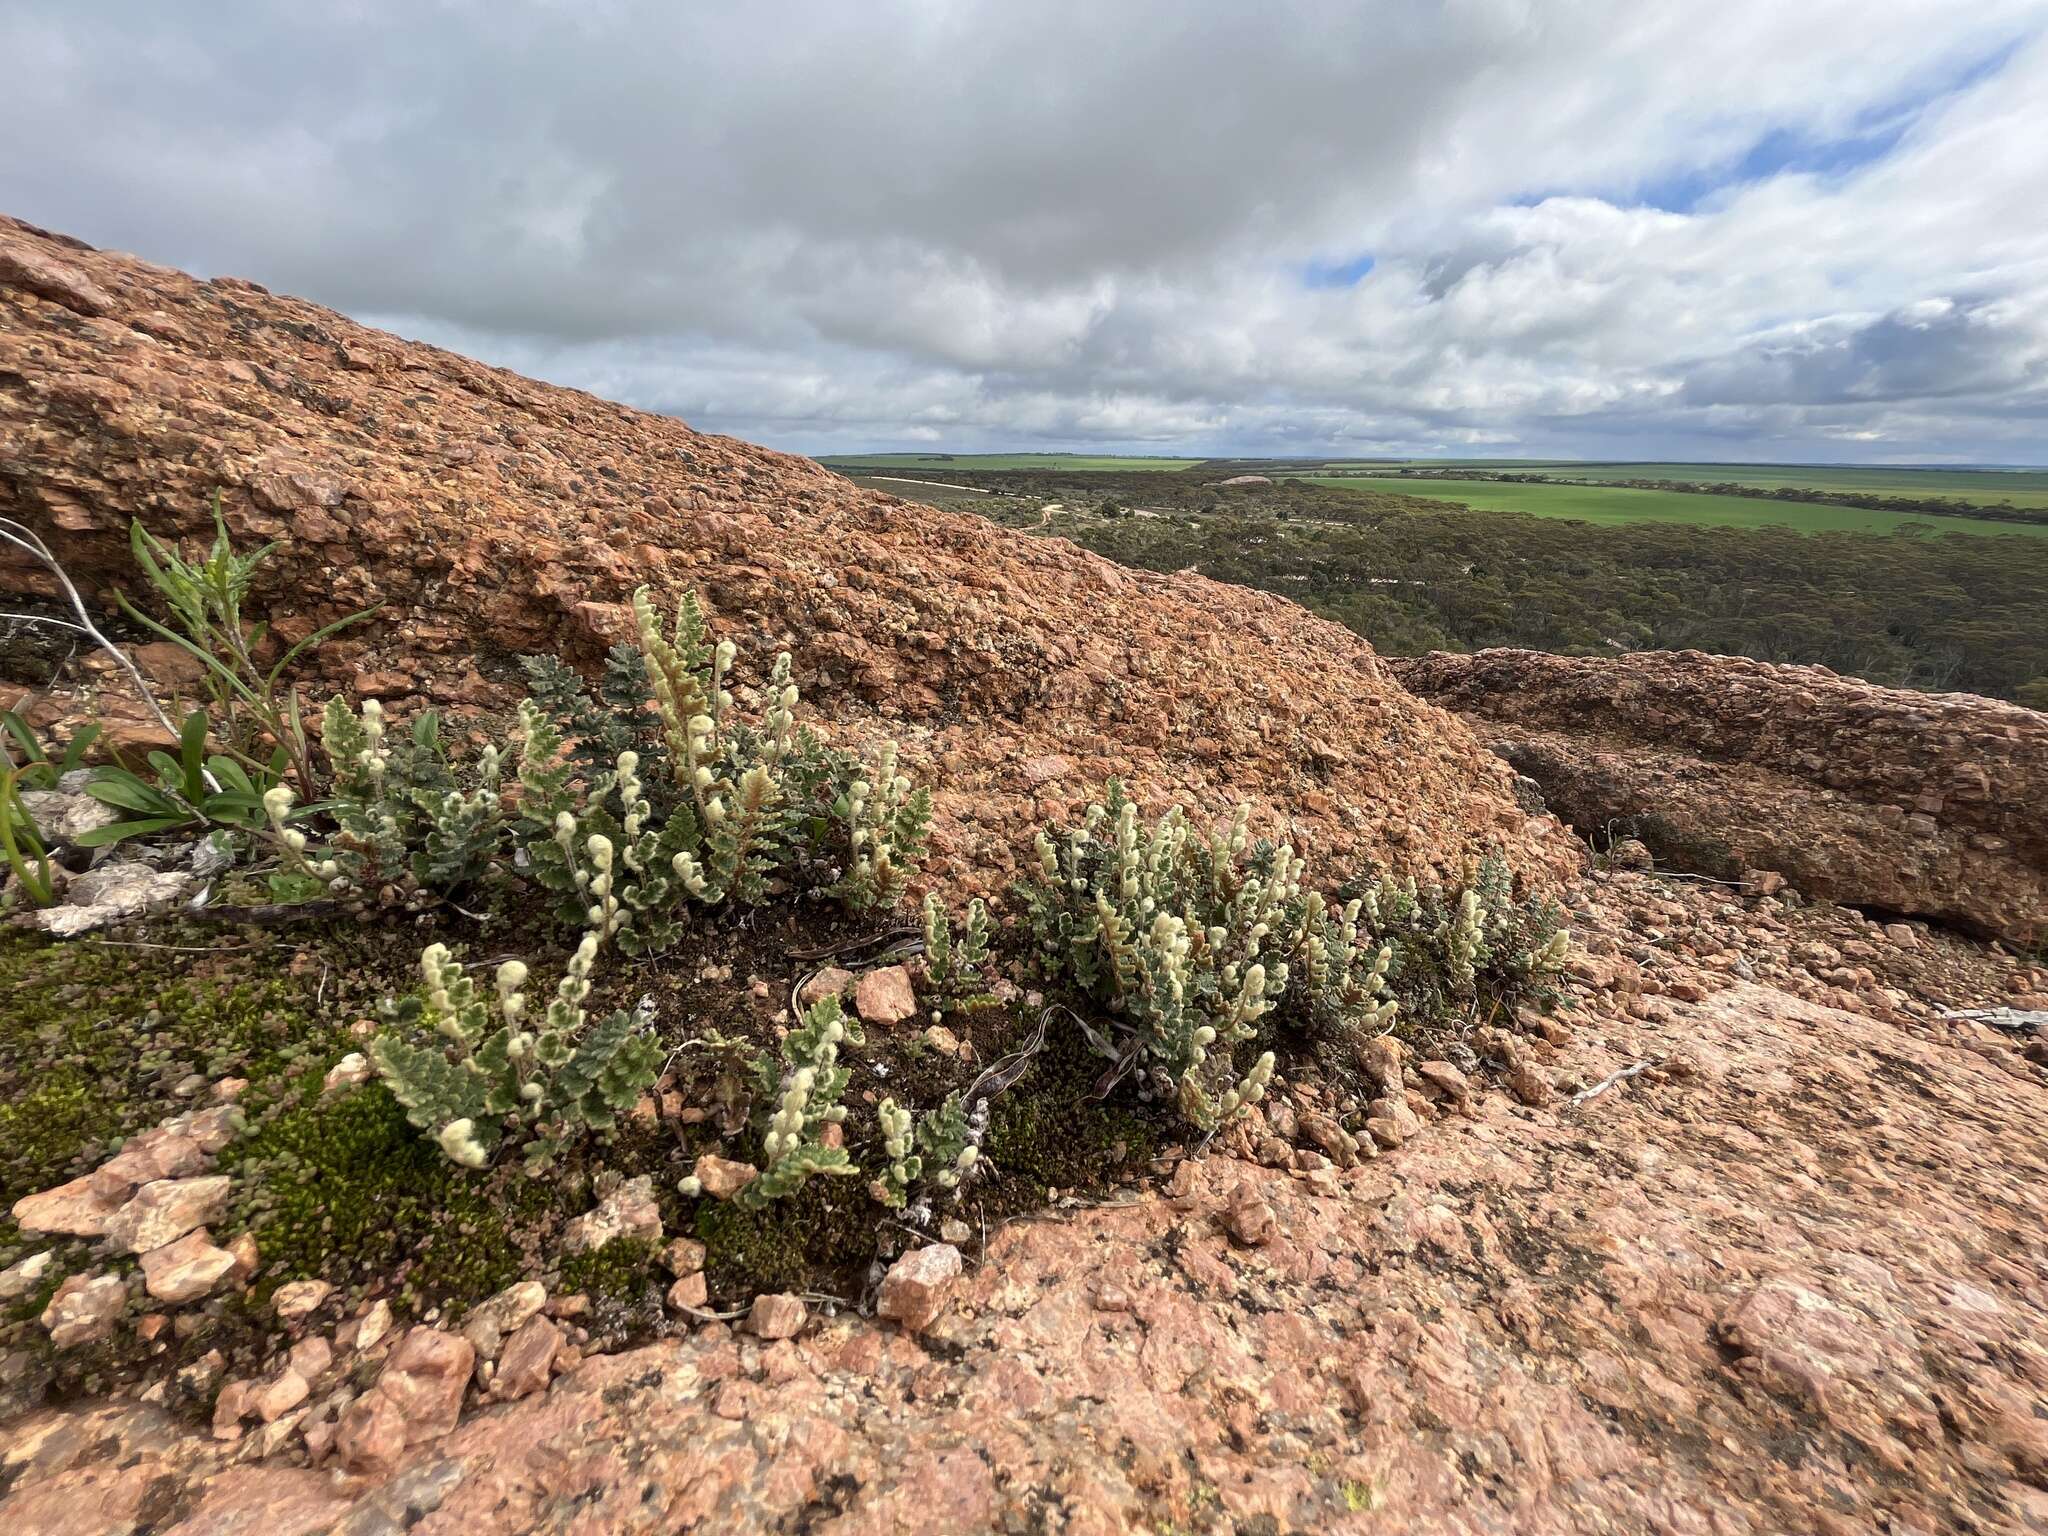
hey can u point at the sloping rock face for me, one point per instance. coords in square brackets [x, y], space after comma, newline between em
[1790, 1279]
[1928, 804]
[492, 515]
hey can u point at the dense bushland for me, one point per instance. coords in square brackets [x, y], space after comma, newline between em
[1921, 610]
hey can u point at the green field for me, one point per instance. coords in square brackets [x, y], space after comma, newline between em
[1596, 504]
[932, 463]
[2022, 488]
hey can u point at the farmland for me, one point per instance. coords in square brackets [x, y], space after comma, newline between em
[1626, 504]
[1951, 602]
[1807, 498]
[2022, 488]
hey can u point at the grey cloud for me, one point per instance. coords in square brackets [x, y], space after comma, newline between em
[842, 227]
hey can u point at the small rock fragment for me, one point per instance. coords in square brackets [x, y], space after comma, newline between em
[1251, 1219]
[75, 1210]
[885, 996]
[489, 1324]
[373, 1325]
[628, 1211]
[915, 1289]
[187, 1269]
[830, 982]
[1383, 1063]
[721, 1178]
[230, 1408]
[418, 1398]
[351, 1071]
[23, 1276]
[684, 1256]
[1385, 1131]
[1446, 1080]
[776, 1317]
[273, 1399]
[311, 1356]
[526, 1360]
[166, 1209]
[84, 1309]
[689, 1292]
[299, 1298]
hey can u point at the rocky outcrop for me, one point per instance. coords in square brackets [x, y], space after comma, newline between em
[1703, 1298]
[491, 515]
[1927, 804]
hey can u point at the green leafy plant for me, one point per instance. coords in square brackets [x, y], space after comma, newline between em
[596, 843]
[194, 788]
[26, 764]
[886, 824]
[947, 1142]
[953, 967]
[254, 704]
[802, 1083]
[21, 843]
[400, 812]
[1464, 951]
[473, 1072]
[21, 748]
[656, 789]
[1189, 943]
[618, 718]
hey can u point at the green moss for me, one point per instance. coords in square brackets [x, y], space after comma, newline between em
[343, 1189]
[617, 1272]
[1050, 1132]
[823, 1235]
[95, 1039]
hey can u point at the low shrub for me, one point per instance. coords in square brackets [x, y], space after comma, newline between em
[489, 1073]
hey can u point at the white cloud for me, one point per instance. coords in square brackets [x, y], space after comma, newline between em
[983, 224]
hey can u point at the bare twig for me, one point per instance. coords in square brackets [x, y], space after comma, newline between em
[24, 538]
[1623, 1075]
[37, 618]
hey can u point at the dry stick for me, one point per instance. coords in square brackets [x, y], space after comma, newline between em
[1623, 1075]
[22, 537]
[38, 618]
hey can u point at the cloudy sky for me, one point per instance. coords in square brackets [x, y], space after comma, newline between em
[1615, 228]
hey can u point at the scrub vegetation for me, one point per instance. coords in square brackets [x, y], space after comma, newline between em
[1924, 606]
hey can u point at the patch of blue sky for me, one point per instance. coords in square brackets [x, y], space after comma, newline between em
[1783, 151]
[1342, 274]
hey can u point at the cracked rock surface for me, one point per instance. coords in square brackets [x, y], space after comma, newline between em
[1793, 1279]
[493, 515]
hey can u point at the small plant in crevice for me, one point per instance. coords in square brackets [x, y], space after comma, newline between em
[21, 843]
[400, 812]
[1458, 952]
[485, 1071]
[1189, 943]
[595, 843]
[196, 789]
[886, 825]
[617, 718]
[26, 764]
[255, 710]
[733, 811]
[944, 1148]
[800, 1087]
[954, 965]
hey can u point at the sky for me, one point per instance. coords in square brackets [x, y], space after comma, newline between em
[1550, 228]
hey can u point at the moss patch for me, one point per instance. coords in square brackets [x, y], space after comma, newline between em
[342, 1189]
